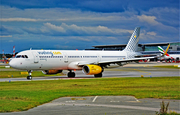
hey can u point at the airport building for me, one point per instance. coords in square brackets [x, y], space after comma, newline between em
[148, 47]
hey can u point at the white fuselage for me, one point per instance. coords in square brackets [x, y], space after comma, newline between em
[174, 56]
[62, 59]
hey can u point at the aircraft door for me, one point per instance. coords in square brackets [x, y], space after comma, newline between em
[98, 57]
[65, 57]
[36, 57]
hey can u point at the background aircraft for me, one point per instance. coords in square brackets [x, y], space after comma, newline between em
[169, 57]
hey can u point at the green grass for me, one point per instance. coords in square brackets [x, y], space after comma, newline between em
[17, 74]
[19, 96]
[170, 67]
[3, 67]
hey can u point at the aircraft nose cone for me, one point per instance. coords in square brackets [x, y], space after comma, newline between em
[12, 63]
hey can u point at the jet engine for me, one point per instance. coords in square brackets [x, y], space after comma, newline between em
[51, 71]
[92, 69]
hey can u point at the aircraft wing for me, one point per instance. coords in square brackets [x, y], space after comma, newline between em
[85, 63]
[113, 61]
[125, 60]
[143, 55]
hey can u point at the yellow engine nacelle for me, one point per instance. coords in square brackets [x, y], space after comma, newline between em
[92, 69]
[51, 71]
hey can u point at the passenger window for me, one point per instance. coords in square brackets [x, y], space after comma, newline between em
[18, 56]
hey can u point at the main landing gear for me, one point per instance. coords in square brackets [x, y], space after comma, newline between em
[98, 75]
[71, 74]
[29, 77]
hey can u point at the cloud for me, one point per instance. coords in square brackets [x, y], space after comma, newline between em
[43, 20]
[58, 14]
[5, 36]
[167, 16]
[5, 30]
[17, 19]
[86, 23]
[50, 27]
[151, 33]
[149, 19]
[154, 23]
[92, 5]
[74, 30]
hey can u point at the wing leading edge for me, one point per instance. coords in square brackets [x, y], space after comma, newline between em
[113, 61]
[125, 60]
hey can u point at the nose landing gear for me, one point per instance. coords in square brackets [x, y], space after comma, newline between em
[29, 77]
[30, 73]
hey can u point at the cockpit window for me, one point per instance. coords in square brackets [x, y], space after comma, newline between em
[21, 56]
[18, 56]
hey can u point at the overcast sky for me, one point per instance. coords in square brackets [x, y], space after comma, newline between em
[80, 24]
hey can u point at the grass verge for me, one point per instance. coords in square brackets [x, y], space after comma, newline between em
[169, 66]
[19, 96]
[17, 74]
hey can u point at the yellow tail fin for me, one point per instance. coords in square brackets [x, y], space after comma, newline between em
[167, 49]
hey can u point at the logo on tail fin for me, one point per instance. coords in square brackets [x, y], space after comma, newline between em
[164, 52]
[132, 45]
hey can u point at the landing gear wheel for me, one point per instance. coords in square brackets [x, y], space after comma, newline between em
[29, 77]
[98, 75]
[71, 74]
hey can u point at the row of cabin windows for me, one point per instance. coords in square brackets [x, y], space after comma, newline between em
[81, 56]
[50, 56]
[25, 56]
[96, 56]
[113, 56]
[68, 56]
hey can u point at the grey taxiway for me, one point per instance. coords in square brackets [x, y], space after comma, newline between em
[130, 70]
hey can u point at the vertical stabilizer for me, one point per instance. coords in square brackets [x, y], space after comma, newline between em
[164, 52]
[132, 45]
[161, 50]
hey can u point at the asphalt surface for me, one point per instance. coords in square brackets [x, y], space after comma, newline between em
[130, 70]
[105, 105]
[100, 105]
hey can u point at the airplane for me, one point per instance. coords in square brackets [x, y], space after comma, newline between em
[90, 62]
[175, 56]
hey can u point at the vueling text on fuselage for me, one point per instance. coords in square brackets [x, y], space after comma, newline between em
[50, 53]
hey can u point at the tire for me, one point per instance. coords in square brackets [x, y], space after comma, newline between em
[29, 77]
[71, 75]
[98, 75]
